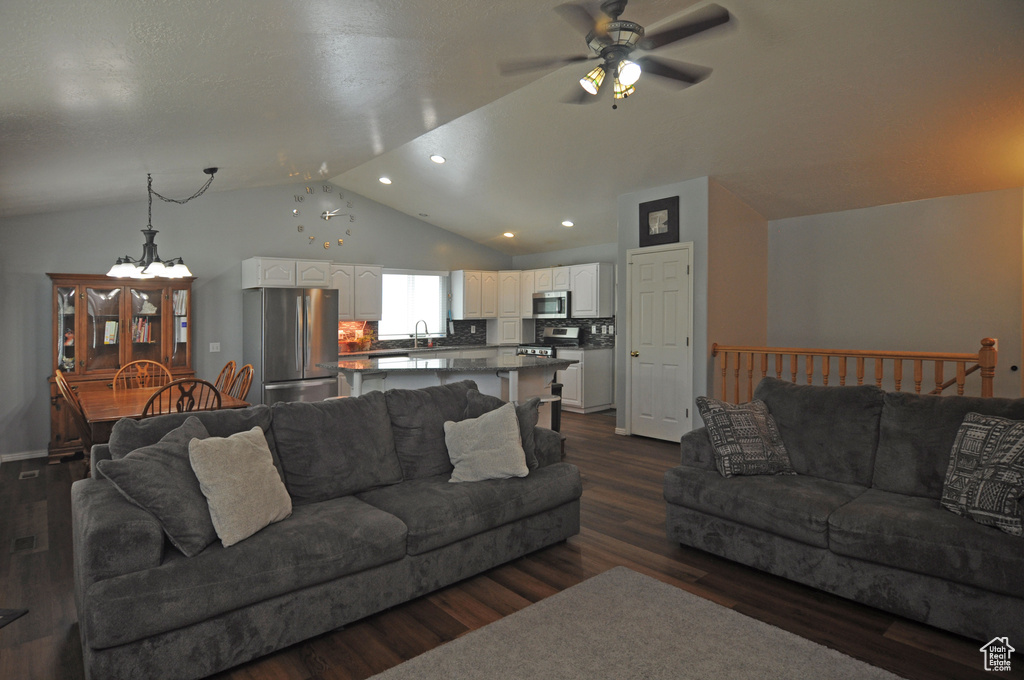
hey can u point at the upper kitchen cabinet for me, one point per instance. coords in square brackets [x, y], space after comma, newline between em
[527, 287]
[360, 291]
[561, 278]
[593, 290]
[542, 280]
[509, 299]
[277, 272]
[474, 294]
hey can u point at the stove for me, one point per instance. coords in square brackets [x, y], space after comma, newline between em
[553, 338]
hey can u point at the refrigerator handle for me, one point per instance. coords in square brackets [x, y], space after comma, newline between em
[309, 340]
[298, 334]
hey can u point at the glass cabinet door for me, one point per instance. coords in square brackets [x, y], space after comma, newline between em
[179, 342]
[65, 320]
[145, 332]
[102, 341]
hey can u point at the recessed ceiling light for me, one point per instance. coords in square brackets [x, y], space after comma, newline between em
[508, 234]
[385, 180]
[567, 223]
[437, 158]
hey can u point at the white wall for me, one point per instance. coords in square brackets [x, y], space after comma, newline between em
[213, 234]
[931, 275]
[605, 252]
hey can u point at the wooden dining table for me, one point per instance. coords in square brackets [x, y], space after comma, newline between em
[103, 405]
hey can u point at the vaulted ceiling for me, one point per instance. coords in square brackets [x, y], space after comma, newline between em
[813, 106]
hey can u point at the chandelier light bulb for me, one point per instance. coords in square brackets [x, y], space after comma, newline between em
[629, 72]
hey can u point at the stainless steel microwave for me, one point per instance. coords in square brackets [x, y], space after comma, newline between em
[551, 305]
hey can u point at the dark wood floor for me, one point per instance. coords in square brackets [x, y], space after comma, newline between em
[623, 524]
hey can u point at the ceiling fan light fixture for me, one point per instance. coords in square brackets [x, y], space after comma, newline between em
[621, 91]
[592, 81]
[629, 72]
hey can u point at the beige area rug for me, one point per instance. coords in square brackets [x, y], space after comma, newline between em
[621, 624]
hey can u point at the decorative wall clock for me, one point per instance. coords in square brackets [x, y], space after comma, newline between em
[327, 205]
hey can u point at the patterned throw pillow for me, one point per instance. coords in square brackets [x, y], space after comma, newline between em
[985, 477]
[745, 438]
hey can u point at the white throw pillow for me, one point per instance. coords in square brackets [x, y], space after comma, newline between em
[487, 447]
[241, 484]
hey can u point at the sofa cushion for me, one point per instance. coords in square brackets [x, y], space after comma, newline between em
[829, 432]
[916, 534]
[242, 488]
[438, 513]
[159, 478]
[917, 434]
[744, 438]
[318, 543]
[985, 478]
[527, 413]
[417, 421]
[487, 447]
[794, 506]
[128, 435]
[335, 447]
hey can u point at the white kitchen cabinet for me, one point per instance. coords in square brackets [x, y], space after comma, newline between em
[509, 298]
[542, 280]
[466, 292]
[368, 293]
[312, 274]
[268, 272]
[489, 295]
[587, 386]
[561, 278]
[593, 290]
[360, 291]
[527, 280]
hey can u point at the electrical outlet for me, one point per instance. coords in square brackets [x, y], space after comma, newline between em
[593, 329]
[472, 329]
[611, 329]
[604, 330]
[214, 346]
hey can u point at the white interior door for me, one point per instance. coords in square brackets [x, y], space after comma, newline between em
[660, 356]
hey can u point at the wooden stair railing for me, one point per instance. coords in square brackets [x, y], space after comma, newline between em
[818, 362]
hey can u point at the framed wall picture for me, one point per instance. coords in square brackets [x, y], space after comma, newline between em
[659, 222]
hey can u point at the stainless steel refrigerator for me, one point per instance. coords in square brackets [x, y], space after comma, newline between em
[286, 333]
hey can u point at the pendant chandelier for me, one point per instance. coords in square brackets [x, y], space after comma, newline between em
[151, 265]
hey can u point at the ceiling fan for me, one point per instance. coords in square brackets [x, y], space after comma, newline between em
[613, 41]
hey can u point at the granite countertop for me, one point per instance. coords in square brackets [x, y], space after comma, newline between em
[342, 356]
[445, 365]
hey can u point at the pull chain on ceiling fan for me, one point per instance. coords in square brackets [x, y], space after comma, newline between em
[613, 41]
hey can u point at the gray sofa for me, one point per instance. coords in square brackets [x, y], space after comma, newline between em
[862, 516]
[357, 541]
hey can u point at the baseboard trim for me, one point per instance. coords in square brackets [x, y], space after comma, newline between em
[22, 455]
[621, 430]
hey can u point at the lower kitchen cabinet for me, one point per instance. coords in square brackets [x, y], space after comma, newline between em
[588, 385]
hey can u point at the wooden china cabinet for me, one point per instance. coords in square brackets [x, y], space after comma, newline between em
[101, 323]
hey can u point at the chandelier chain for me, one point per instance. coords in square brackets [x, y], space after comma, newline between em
[180, 201]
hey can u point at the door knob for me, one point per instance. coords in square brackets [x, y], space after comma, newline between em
[634, 353]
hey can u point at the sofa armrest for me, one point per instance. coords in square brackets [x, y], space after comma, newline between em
[695, 449]
[549, 445]
[112, 536]
[99, 452]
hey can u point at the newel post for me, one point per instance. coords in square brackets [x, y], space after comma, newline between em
[987, 362]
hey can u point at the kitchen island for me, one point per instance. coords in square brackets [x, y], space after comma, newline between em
[512, 378]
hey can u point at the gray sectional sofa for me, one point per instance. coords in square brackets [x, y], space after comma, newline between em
[374, 522]
[862, 516]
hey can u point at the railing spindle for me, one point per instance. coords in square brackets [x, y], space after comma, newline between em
[897, 373]
[842, 370]
[939, 375]
[792, 368]
[725, 379]
[825, 365]
[750, 376]
[764, 364]
[961, 375]
[879, 372]
[918, 375]
[736, 377]
[860, 370]
[809, 367]
[778, 366]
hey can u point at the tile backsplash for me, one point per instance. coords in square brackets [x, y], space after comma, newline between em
[461, 336]
[587, 337]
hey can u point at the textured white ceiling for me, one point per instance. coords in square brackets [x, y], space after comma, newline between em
[813, 106]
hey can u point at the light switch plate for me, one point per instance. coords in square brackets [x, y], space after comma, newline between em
[593, 329]
[611, 329]
[214, 346]
[604, 329]
[472, 329]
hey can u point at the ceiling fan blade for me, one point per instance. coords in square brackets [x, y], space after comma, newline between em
[681, 71]
[581, 96]
[696, 22]
[509, 68]
[583, 19]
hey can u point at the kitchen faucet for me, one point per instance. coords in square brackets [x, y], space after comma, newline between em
[416, 332]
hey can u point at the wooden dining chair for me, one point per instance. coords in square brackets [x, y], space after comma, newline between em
[142, 373]
[184, 394]
[223, 381]
[77, 415]
[242, 382]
